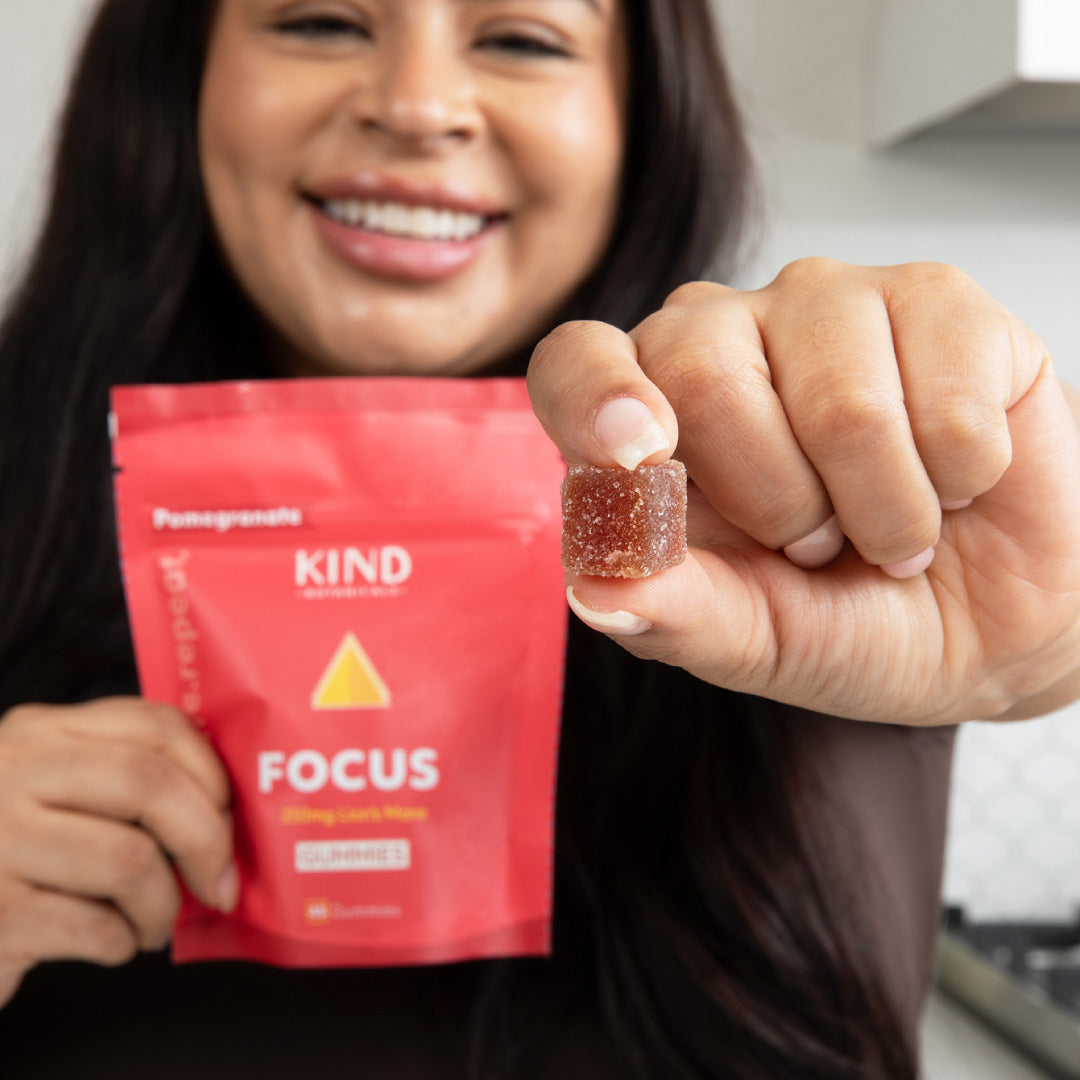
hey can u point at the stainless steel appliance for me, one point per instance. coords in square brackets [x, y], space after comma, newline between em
[1023, 980]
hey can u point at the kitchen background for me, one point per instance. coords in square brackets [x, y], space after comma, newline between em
[826, 85]
[1002, 202]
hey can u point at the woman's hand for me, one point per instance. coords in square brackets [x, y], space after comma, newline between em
[901, 408]
[99, 804]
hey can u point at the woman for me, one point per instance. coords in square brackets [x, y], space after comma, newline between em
[746, 889]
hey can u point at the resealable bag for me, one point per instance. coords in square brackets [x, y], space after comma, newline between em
[353, 586]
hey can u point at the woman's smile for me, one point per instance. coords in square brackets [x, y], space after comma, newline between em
[394, 228]
[412, 186]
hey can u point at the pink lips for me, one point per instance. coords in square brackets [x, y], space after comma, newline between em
[401, 258]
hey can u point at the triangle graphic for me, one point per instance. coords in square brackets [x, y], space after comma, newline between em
[350, 680]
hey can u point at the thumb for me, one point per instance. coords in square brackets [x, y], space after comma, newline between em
[703, 615]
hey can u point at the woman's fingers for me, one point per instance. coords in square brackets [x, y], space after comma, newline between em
[143, 785]
[44, 925]
[791, 423]
[704, 351]
[594, 400]
[100, 805]
[97, 859]
[39, 925]
[708, 615]
[150, 725]
[124, 761]
[836, 401]
[960, 376]
[608, 398]
[829, 339]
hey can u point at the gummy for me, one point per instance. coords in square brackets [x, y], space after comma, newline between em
[618, 523]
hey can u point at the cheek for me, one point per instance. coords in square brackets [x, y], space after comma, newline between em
[227, 156]
[572, 155]
[249, 129]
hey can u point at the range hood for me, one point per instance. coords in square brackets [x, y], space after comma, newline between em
[1002, 65]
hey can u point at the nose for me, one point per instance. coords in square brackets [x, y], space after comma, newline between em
[422, 90]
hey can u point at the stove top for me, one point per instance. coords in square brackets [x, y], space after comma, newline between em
[1023, 979]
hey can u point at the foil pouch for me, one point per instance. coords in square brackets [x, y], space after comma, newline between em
[352, 585]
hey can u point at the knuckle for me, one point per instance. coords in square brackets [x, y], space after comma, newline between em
[923, 286]
[690, 373]
[566, 337]
[134, 858]
[692, 293]
[713, 389]
[809, 273]
[942, 278]
[1024, 342]
[958, 421]
[150, 774]
[855, 418]
[785, 515]
[656, 335]
[85, 710]
[719, 343]
[967, 441]
[159, 713]
[167, 723]
[110, 939]
[113, 703]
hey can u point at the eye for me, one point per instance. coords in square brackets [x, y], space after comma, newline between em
[322, 28]
[524, 45]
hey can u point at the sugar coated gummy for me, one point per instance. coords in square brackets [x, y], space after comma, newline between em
[618, 523]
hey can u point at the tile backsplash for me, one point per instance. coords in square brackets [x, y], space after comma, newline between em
[1014, 838]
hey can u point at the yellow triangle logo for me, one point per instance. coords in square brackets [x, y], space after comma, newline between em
[350, 681]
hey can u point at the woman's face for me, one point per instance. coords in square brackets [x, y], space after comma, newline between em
[407, 186]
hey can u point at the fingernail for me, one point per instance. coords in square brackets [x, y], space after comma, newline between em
[626, 428]
[607, 622]
[910, 568]
[956, 504]
[819, 548]
[228, 889]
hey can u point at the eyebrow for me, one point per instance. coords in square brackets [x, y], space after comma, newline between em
[593, 5]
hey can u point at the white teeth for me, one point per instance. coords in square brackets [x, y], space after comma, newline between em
[415, 222]
[398, 220]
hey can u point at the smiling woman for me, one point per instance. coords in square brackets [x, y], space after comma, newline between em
[468, 149]
[883, 516]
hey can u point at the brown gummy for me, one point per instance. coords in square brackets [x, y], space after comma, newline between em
[618, 523]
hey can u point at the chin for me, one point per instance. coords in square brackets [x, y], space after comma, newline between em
[415, 345]
[429, 352]
[392, 362]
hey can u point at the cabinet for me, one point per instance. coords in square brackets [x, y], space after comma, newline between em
[1007, 64]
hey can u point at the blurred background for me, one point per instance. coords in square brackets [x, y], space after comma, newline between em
[885, 131]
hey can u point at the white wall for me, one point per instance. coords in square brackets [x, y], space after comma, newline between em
[36, 41]
[1005, 208]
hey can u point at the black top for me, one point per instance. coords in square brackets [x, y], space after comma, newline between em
[152, 1020]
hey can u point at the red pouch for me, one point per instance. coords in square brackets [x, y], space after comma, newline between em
[353, 586]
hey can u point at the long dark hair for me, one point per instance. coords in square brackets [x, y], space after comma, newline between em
[699, 956]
